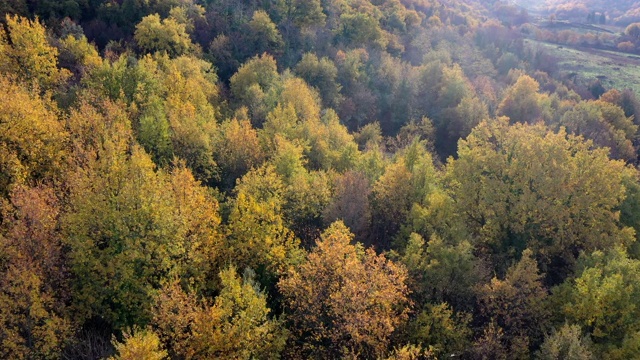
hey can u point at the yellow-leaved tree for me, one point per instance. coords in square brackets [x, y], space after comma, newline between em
[26, 54]
[522, 101]
[237, 325]
[257, 233]
[344, 301]
[129, 227]
[164, 35]
[139, 344]
[32, 139]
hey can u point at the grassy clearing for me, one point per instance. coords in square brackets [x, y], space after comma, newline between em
[615, 70]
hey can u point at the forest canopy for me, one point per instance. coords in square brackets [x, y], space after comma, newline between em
[390, 179]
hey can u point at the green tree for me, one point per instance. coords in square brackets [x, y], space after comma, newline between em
[436, 215]
[630, 208]
[445, 332]
[188, 13]
[408, 181]
[453, 87]
[288, 158]
[392, 199]
[517, 306]
[115, 244]
[301, 13]
[304, 99]
[155, 135]
[260, 70]
[522, 186]
[115, 80]
[323, 75]
[604, 123]
[369, 136]
[174, 107]
[603, 299]
[430, 77]
[331, 146]
[450, 101]
[297, 117]
[18, 7]
[566, 343]
[440, 272]
[360, 28]
[173, 104]
[394, 85]
[190, 94]
[252, 84]
[409, 352]
[461, 119]
[264, 35]
[305, 193]
[129, 227]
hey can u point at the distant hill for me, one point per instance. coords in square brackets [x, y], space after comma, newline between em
[621, 12]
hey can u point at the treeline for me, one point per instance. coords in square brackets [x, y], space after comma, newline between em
[307, 179]
[620, 13]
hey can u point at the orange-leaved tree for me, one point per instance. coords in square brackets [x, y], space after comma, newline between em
[344, 300]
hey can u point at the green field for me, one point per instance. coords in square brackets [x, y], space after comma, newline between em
[615, 70]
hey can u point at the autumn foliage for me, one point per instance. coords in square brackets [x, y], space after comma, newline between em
[311, 179]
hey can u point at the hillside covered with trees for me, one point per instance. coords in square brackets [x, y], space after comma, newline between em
[323, 179]
[618, 12]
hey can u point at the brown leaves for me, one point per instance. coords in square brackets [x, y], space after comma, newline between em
[33, 278]
[344, 299]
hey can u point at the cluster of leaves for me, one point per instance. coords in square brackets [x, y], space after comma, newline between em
[352, 179]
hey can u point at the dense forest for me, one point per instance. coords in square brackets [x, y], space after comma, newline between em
[309, 179]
